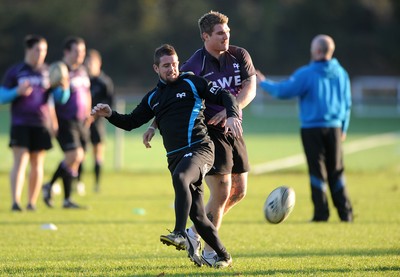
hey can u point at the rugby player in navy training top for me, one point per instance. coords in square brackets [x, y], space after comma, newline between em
[177, 103]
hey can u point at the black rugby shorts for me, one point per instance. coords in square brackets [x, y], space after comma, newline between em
[97, 131]
[230, 153]
[195, 161]
[34, 138]
[72, 134]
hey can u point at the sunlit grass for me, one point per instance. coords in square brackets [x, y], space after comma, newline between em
[112, 239]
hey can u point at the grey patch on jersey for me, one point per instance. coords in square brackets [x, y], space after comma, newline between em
[208, 74]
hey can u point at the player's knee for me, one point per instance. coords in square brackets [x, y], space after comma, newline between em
[239, 187]
[240, 193]
[221, 188]
[74, 156]
[237, 197]
[197, 218]
[179, 179]
[220, 197]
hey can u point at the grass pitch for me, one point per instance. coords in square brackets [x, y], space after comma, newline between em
[119, 234]
[113, 238]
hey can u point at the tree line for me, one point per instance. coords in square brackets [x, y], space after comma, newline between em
[276, 33]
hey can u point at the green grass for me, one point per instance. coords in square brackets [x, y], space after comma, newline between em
[112, 239]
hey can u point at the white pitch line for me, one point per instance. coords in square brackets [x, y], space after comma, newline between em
[349, 148]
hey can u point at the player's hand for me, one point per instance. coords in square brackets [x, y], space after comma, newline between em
[260, 76]
[218, 118]
[234, 126]
[24, 88]
[147, 136]
[101, 109]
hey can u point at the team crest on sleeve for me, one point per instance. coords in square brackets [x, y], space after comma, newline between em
[236, 67]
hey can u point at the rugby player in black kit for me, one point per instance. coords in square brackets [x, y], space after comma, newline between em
[177, 103]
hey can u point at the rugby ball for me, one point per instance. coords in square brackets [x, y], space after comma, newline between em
[279, 204]
[58, 74]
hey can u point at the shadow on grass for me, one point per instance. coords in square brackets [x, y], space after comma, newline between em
[294, 272]
[134, 221]
[291, 272]
[166, 271]
[323, 252]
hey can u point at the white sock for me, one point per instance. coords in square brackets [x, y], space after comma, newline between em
[209, 254]
[193, 234]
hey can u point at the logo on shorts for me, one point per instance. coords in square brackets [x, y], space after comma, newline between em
[181, 95]
[188, 155]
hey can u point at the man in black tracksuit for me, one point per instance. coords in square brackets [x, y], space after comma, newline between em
[177, 103]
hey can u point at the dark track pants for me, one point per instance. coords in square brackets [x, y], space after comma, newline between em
[323, 149]
[188, 169]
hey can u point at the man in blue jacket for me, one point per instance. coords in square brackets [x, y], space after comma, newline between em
[323, 89]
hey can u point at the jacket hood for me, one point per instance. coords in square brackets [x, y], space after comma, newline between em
[327, 68]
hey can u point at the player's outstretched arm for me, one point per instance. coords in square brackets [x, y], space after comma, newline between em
[260, 76]
[101, 110]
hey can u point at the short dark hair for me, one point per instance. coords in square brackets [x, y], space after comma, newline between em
[69, 41]
[209, 20]
[32, 40]
[163, 50]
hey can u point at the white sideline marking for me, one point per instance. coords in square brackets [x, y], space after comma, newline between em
[348, 148]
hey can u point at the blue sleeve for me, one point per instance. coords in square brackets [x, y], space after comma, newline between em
[292, 87]
[60, 95]
[7, 95]
[346, 121]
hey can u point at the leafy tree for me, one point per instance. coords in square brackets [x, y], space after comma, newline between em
[276, 33]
